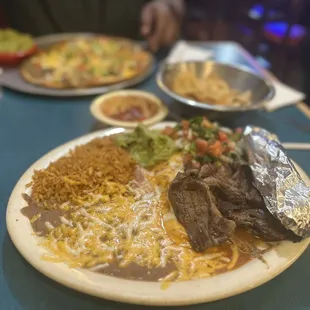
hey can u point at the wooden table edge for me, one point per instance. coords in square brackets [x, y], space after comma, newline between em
[304, 109]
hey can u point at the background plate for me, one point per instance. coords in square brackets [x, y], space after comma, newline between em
[225, 285]
[12, 78]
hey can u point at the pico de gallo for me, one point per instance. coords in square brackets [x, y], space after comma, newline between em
[203, 141]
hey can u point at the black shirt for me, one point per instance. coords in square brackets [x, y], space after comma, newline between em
[40, 17]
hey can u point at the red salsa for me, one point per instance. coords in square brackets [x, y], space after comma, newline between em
[129, 108]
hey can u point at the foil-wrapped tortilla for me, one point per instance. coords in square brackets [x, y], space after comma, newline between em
[286, 195]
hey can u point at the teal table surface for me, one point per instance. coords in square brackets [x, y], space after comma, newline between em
[30, 126]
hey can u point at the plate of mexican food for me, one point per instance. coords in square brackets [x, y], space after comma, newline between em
[81, 64]
[167, 215]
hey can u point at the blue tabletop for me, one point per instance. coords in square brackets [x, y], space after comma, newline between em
[30, 126]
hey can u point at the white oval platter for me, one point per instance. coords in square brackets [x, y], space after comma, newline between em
[209, 289]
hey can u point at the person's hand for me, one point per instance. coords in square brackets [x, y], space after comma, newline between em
[161, 21]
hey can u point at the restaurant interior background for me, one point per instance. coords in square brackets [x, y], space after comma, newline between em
[270, 30]
[30, 125]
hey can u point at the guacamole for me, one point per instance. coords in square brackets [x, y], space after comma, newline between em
[147, 147]
[14, 42]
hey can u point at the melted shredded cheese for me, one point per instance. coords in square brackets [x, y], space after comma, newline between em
[139, 228]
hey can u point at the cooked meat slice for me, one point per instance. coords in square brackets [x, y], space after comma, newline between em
[219, 179]
[195, 208]
[229, 190]
[233, 184]
[208, 170]
[243, 179]
[216, 170]
[226, 190]
[241, 202]
[259, 221]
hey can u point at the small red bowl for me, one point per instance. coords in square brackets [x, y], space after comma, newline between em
[12, 59]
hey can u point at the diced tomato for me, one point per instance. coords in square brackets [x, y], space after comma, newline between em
[168, 131]
[201, 146]
[185, 124]
[239, 130]
[216, 149]
[222, 136]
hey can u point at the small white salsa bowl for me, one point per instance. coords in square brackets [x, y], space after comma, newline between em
[103, 107]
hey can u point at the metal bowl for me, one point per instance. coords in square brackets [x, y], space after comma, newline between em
[238, 78]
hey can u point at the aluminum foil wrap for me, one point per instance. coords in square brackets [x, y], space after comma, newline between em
[286, 195]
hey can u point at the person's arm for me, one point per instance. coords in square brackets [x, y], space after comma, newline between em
[161, 21]
[177, 7]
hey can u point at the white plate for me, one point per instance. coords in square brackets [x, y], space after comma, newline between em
[12, 78]
[228, 284]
